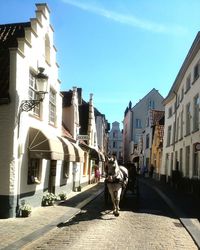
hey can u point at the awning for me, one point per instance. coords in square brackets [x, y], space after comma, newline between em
[44, 145]
[94, 154]
[69, 152]
[79, 153]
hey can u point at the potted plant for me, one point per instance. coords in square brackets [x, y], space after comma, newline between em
[63, 196]
[49, 199]
[26, 210]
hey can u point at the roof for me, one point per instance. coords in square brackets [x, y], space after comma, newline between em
[140, 101]
[188, 59]
[8, 39]
[67, 98]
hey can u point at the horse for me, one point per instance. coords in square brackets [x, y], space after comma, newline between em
[116, 180]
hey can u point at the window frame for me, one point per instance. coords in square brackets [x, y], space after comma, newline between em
[52, 104]
[34, 171]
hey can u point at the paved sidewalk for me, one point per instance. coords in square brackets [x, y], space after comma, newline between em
[185, 206]
[17, 232]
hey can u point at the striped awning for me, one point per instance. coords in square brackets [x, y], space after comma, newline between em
[68, 148]
[79, 153]
[44, 145]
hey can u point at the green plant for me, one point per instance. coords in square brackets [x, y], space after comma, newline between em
[49, 199]
[25, 210]
[63, 196]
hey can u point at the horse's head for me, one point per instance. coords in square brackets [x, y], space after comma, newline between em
[112, 166]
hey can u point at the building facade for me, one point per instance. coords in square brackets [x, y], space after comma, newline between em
[135, 120]
[115, 141]
[153, 117]
[32, 160]
[181, 132]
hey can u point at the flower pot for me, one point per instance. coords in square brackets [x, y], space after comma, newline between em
[25, 213]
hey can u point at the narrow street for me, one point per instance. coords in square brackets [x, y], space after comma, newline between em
[146, 223]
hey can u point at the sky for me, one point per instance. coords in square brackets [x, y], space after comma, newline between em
[119, 50]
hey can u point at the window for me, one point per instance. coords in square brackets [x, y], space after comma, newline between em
[32, 92]
[151, 104]
[147, 141]
[114, 144]
[181, 160]
[187, 119]
[172, 162]
[170, 112]
[52, 107]
[174, 131]
[188, 83]
[187, 160]
[177, 129]
[195, 162]
[181, 125]
[182, 94]
[34, 171]
[47, 49]
[138, 123]
[196, 113]
[65, 169]
[115, 134]
[196, 71]
[169, 135]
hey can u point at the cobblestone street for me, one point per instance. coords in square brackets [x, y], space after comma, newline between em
[147, 226]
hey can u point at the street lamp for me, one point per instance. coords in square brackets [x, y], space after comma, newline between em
[41, 85]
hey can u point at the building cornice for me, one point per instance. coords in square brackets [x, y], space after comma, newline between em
[190, 56]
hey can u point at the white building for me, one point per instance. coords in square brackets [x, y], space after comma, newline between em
[181, 132]
[31, 147]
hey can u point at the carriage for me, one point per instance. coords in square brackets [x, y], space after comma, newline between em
[130, 183]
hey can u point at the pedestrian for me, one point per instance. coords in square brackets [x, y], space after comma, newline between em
[151, 170]
[96, 173]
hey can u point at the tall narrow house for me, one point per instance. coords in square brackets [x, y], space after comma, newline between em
[30, 103]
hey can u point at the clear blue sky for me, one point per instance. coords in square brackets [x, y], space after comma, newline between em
[118, 50]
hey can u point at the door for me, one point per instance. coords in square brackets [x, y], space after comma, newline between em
[52, 177]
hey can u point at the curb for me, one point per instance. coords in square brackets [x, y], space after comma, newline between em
[189, 224]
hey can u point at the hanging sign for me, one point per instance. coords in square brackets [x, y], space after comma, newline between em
[82, 137]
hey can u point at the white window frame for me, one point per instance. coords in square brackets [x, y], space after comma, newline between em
[52, 107]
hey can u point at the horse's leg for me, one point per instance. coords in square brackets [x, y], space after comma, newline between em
[117, 201]
[110, 188]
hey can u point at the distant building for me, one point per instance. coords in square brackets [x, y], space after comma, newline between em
[135, 121]
[115, 141]
[153, 118]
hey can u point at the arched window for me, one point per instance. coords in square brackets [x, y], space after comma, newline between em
[47, 49]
